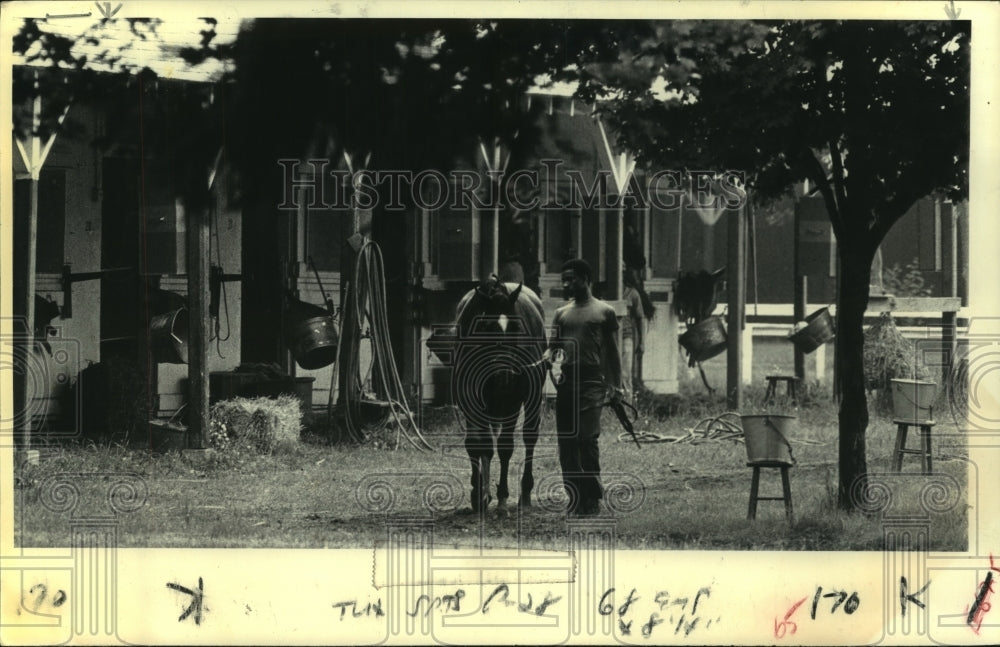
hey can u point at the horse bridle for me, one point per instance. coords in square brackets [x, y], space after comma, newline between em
[496, 280]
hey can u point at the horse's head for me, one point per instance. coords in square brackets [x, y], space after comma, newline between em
[492, 308]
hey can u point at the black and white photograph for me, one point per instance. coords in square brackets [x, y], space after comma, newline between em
[359, 323]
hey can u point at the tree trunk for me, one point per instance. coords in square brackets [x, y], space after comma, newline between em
[852, 301]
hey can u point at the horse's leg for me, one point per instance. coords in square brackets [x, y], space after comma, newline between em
[505, 449]
[479, 446]
[529, 433]
[486, 456]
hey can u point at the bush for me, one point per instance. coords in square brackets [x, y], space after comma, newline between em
[905, 282]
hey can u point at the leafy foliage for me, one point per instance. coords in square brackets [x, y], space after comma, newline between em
[801, 100]
[905, 281]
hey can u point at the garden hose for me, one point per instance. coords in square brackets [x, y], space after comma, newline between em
[369, 289]
[726, 426]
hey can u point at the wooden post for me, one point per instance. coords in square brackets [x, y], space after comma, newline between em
[736, 296]
[34, 164]
[29, 314]
[799, 313]
[948, 334]
[199, 322]
[799, 286]
[615, 242]
[836, 339]
[953, 251]
[495, 225]
[350, 340]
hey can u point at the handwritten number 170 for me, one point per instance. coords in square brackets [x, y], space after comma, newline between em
[849, 603]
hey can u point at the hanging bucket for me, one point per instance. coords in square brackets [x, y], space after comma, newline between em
[913, 400]
[168, 337]
[817, 331]
[766, 437]
[313, 342]
[705, 339]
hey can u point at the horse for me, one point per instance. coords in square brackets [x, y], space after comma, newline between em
[497, 372]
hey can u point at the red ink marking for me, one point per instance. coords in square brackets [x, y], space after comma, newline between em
[781, 627]
[981, 605]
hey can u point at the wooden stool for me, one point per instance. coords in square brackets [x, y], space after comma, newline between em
[924, 426]
[772, 387]
[786, 488]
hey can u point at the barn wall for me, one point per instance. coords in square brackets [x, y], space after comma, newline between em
[77, 242]
[83, 195]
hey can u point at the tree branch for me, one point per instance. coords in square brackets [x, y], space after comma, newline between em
[838, 176]
[814, 169]
[895, 208]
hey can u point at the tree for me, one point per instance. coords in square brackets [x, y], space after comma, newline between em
[873, 113]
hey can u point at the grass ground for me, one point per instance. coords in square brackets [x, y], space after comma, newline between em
[312, 494]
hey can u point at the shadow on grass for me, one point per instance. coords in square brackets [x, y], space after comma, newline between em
[304, 494]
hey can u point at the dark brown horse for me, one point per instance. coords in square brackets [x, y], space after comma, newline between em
[497, 372]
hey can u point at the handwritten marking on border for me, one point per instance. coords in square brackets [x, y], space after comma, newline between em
[905, 596]
[981, 605]
[106, 10]
[780, 628]
[197, 601]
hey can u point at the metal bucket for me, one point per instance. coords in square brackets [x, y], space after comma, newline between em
[705, 339]
[817, 331]
[313, 342]
[913, 400]
[168, 337]
[766, 437]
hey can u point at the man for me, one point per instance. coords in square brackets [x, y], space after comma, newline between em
[585, 330]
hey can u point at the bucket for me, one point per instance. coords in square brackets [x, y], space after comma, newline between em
[164, 436]
[766, 437]
[817, 331]
[168, 337]
[705, 339]
[313, 342]
[913, 400]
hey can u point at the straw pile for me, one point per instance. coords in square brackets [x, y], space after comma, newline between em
[889, 356]
[260, 423]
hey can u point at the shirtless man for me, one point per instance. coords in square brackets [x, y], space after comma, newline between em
[585, 331]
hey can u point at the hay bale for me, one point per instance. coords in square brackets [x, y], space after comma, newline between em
[262, 423]
[889, 356]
